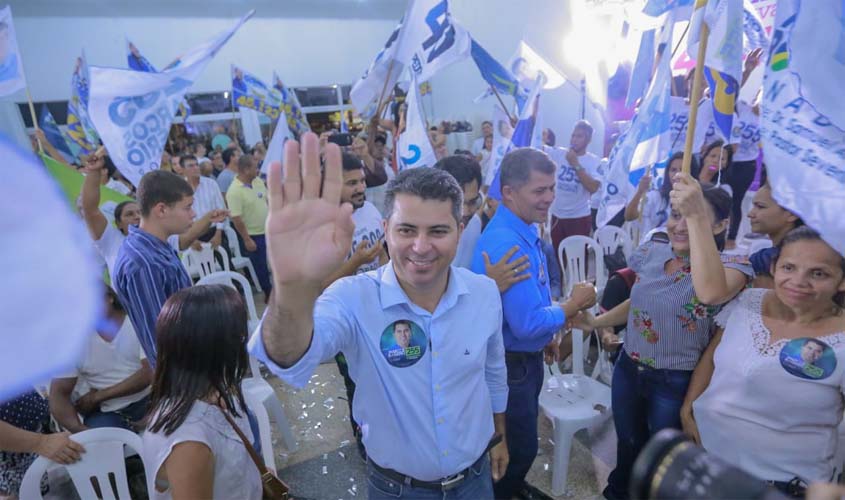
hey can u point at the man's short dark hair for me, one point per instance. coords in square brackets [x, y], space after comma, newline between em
[184, 159]
[402, 322]
[463, 168]
[428, 184]
[351, 162]
[118, 210]
[486, 122]
[161, 186]
[517, 166]
[584, 125]
[552, 137]
[227, 155]
[245, 162]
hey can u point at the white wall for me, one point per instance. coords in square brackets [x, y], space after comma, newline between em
[304, 51]
[307, 52]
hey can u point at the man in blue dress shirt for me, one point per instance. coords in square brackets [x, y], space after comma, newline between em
[530, 319]
[428, 415]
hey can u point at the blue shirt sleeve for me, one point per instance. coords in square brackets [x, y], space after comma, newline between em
[526, 310]
[333, 333]
[495, 370]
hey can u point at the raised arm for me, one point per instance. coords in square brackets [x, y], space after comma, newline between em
[713, 283]
[632, 210]
[589, 183]
[308, 235]
[95, 221]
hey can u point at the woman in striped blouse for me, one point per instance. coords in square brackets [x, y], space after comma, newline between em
[668, 325]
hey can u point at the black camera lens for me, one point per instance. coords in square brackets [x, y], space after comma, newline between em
[672, 466]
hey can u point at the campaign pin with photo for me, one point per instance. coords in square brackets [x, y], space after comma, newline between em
[808, 358]
[403, 343]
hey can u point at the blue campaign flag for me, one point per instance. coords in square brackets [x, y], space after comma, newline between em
[136, 61]
[642, 69]
[657, 8]
[79, 127]
[496, 75]
[54, 136]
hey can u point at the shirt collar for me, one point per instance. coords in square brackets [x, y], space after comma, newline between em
[148, 238]
[391, 292]
[511, 220]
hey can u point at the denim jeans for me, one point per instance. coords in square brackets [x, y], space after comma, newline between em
[645, 400]
[525, 381]
[123, 418]
[477, 486]
[259, 261]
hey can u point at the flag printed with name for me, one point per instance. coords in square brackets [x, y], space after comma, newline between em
[802, 119]
[431, 39]
[80, 130]
[133, 110]
[11, 65]
[753, 30]
[52, 132]
[250, 92]
[290, 107]
[135, 60]
[413, 148]
[723, 60]
[496, 75]
[645, 144]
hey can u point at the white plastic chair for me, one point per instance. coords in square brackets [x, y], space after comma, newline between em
[103, 458]
[611, 237]
[240, 262]
[570, 401]
[255, 386]
[634, 230]
[574, 262]
[253, 402]
[199, 263]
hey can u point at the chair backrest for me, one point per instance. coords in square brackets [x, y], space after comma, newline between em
[199, 263]
[232, 237]
[634, 230]
[224, 257]
[228, 278]
[611, 237]
[102, 463]
[573, 254]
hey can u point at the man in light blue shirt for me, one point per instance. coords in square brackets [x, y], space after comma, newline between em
[428, 403]
[530, 319]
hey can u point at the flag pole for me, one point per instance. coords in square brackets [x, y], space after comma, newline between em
[697, 83]
[384, 88]
[504, 108]
[34, 119]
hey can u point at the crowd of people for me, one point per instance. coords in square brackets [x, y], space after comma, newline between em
[440, 305]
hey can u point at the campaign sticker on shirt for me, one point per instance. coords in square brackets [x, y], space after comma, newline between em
[403, 343]
[808, 358]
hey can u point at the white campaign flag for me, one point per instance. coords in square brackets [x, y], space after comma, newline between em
[52, 294]
[430, 39]
[802, 119]
[414, 147]
[502, 134]
[276, 148]
[11, 65]
[379, 78]
[646, 143]
[133, 110]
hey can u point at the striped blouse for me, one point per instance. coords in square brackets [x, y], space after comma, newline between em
[668, 327]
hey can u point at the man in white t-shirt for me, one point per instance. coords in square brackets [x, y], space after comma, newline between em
[110, 384]
[577, 172]
[478, 144]
[367, 251]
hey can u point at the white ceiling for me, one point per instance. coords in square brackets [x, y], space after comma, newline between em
[359, 9]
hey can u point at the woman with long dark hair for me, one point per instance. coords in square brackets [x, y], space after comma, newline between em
[668, 328]
[194, 451]
[715, 167]
[656, 210]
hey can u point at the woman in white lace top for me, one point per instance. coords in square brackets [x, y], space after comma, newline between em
[767, 395]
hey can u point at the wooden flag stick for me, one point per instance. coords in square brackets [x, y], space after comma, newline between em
[504, 108]
[384, 89]
[697, 83]
[34, 119]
